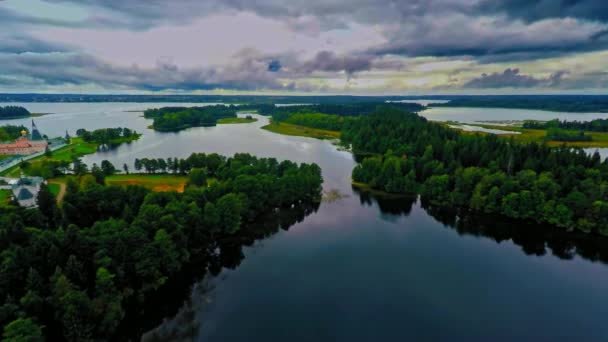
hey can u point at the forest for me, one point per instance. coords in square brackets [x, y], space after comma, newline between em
[314, 120]
[173, 119]
[597, 125]
[10, 132]
[557, 103]
[405, 153]
[13, 112]
[78, 271]
[107, 135]
[330, 117]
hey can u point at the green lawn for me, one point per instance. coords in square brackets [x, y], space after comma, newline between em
[76, 149]
[152, 182]
[54, 188]
[235, 120]
[301, 131]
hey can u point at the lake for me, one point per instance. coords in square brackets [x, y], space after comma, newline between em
[361, 268]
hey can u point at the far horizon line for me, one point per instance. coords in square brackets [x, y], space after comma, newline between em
[298, 95]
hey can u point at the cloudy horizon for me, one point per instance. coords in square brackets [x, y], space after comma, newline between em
[360, 47]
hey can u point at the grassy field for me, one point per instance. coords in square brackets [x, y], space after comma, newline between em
[301, 131]
[54, 188]
[152, 182]
[76, 149]
[235, 120]
[600, 139]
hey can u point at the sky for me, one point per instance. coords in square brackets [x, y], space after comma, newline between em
[361, 47]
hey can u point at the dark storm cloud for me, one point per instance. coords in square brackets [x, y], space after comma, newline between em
[78, 69]
[440, 28]
[533, 10]
[328, 61]
[15, 43]
[512, 78]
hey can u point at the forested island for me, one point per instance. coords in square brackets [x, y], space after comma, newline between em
[104, 136]
[83, 270]
[14, 112]
[560, 186]
[173, 119]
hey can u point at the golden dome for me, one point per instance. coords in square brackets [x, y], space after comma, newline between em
[24, 132]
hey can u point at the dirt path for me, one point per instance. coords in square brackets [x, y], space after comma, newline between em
[62, 188]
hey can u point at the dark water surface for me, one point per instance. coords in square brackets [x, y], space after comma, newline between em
[364, 269]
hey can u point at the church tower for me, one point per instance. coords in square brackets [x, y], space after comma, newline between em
[36, 136]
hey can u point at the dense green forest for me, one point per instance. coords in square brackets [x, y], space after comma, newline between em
[107, 135]
[13, 112]
[10, 132]
[597, 125]
[314, 120]
[171, 119]
[563, 186]
[329, 117]
[345, 109]
[76, 272]
[569, 103]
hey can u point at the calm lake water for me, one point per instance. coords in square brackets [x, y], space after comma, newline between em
[364, 269]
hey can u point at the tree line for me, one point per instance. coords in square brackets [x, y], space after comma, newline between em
[561, 186]
[556, 103]
[597, 125]
[314, 120]
[178, 118]
[10, 132]
[75, 272]
[342, 109]
[11, 112]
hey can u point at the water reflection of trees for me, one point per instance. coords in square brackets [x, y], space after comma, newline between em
[226, 252]
[533, 238]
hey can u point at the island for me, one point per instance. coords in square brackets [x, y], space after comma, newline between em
[14, 112]
[174, 119]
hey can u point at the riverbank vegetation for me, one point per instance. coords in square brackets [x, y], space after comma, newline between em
[13, 112]
[224, 121]
[561, 186]
[300, 131]
[173, 119]
[83, 270]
